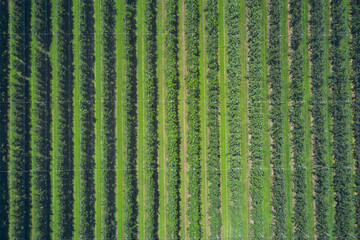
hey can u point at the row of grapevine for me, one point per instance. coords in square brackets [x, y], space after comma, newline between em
[276, 116]
[233, 118]
[40, 120]
[4, 61]
[151, 135]
[255, 118]
[130, 122]
[298, 132]
[108, 88]
[19, 192]
[343, 181]
[87, 119]
[213, 113]
[172, 121]
[355, 30]
[192, 79]
[322, 170]
[63, 119]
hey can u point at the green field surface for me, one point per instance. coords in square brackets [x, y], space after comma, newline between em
[185, 63]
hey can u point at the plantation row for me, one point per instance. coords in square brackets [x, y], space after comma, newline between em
[77, 162]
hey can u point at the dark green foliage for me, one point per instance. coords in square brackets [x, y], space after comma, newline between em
[233, 106]
[40, 119]
[18, 125]
[151, 135]
[130, 121]
[63, 109]
[213, 114]
[256, 119]
[298, 132]
[343, 181]
[172, 121]
[87, 119]
[192, 16]
[355, 30]
[4, 105]
[108, 80]
[276, 115]
[322, 171]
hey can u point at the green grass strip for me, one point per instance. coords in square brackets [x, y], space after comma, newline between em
[98, 114]
[284, 30]
[223, 123]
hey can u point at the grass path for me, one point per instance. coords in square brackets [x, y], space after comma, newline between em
[307, 121]
[161, 111]
[284, 29]
[245, 178]
[141, 113]
[328, 118]
[76, 121]
[203, 125]
[120, 71]
[223, 123]
[266, 127]
[183, 126]
[98, 103]
[54, 81]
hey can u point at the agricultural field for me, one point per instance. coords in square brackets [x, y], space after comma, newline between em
[179, 119]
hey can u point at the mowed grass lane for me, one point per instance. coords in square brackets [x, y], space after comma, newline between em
[161, 16]
[223, 122]
[307, 121]
[120, 74]
[267, 208]
[76, 121]
[203, 123]
[328, 117]
[140, 31]
[183, 125]
[245, 180]
[98, 103]
[284, 41]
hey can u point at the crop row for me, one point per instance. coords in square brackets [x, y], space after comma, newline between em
[108, 88]
[355, 5]
[40, 120]
[63, 116]
[213, 124]
[19, 221]
[130, 122]
[4, 71]
[276, 115]
[172, 121]
[151, 135]
[233, 118]
[192, 79]
[255, 119]
[322, 171]
[343, 181]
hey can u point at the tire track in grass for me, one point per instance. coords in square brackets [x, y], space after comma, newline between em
[161, 124]
[244, 124]
[98, 168]
[266, 127]
[183, 125]
[223, 123]
[284, 28]
[140, 31]
[307, 121]
[203, 124]
[120, 7]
